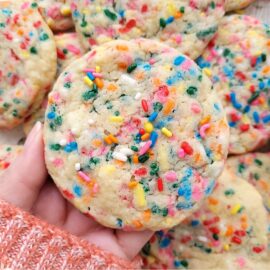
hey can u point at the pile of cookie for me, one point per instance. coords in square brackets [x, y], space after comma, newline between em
[154, 116]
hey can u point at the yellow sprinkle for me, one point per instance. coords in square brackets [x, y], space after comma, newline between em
[235, 209]
[148, 127]
[98, 69]
[150, 259]
[226, 247]
[50, 21]
[65, 10]
[166, 132]
[132, 184]
[139, 196]
[116, 119]
[207, 71]
[88, 81]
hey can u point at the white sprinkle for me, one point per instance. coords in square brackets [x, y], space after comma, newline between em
[91, 122]
[63, 142]
[126, 151]
[138, 96]
[74, 131]
[77, 166]
[202, 238]
[125, 79]
[119, 156]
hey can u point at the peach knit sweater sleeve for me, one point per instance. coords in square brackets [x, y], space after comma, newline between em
[28, 243]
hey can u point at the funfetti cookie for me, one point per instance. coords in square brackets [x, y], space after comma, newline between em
[238, 62]
[183, 24]
[57, 14]
[28, 60]
[231, 5]
[68, 50]
[229, 231]
[135, 135]
[255, 168]
[8, 153]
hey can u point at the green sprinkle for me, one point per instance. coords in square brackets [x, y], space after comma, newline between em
[110, 14]
[143, 158]
[58, 120]
[15, 113]
[8, 149]
[67, 85]
[241, 167]
[263, 57]
[207, 32]
[33, 50]
[192, 90]
[34, 5]
[253, 97]
[229, 192]
[165, 212]
[6, 105]
[117, 113]
[182, 10]
[215, 236]
[44, 37]
[184, 263]
[89, 95]
[132, 67]
[134, 148]
[157, 106]
[16, 101]
[226, 52]
[84, 22]
[55, 147]
[256, 176]
[162, 23]
[213, 5]
[65, 51]
[258, 162]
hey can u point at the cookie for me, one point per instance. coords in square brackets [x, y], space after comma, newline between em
[28, 57]
[8, 153]
[137, 124]
[68, 50]
[255, 168]
[57, 14]
[183, 24]
[237, 60]
[237, 4]
[229, 231]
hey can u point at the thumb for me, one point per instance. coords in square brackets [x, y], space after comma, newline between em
[21, 182]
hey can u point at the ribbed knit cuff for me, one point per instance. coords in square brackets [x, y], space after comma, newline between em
[28, 243]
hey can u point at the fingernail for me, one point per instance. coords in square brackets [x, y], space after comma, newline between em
[35, 130]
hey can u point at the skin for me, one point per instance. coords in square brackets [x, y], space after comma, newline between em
[25, 184]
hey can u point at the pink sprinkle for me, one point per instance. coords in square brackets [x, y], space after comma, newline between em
[171, 176]
[181, 153]
[196, 108]
[186, 65]
[216, 243]
[74, 49]
[58, 162]
[152, 61]
[203, 128]
[25, 5]
[89, 70]
[97, 75]
[241, 261]
[196, 193]
[84, 176]
[178, 39]
[145, 148]
[95, 188]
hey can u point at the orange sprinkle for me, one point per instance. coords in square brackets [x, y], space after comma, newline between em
[178, 15]
[239, 60]
[205, 120]
[119, 162]
[261, 100]
[266, 70]
[137, 224]
[173, 90]
[156, 81]
[145, 137]
[122, 65]
[244, 226]
[243, 218]
[111, 87]
[18, 93]
[113, 138]
[263, 184]
[96, 143]
[136, 159]
[147, 215]
[99, 83]
[140, 75]
[169, 106]
[122, 47]
[132, 184]
[229, 231]
[268, 43]
[197, 157]
[108, 140]
[20, 32]
[212, 201]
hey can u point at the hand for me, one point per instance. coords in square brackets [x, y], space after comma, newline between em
[24, 185]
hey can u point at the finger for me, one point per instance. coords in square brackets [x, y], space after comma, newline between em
[21, 182]
[133, 242]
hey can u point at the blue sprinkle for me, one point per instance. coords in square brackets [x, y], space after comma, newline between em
[232, 124]
[160, 233]
[184, 205]
[179, 60]
[119, 222]
[181, 191]
[170, 81]
[153, 138]
[236, 105]
[216, 79]
[189, 172]
[77, 191]
[170, 20]
[160, 125]
[51, 115]
[208, 152]
[246, 109]
[261, 85]
[177, 263]
[6, 11]
[202, 63]
[268, 82]
[266, 119]
[228, 72]
[254, 75]
[195, 222]
[216, 106]
[256, 117]
[165, 242]
[122, 13]
[147, 67]
[71, 147]
[210, 188]
[153, 116]
[90, 76]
